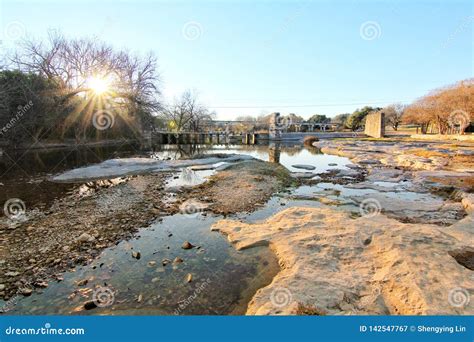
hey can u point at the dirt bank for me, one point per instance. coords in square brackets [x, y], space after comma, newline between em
[241, 187]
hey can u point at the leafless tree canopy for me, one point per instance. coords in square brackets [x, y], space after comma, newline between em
[186, 113]
[70, 63]
[394, 114]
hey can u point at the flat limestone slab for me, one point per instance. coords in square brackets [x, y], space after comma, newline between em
[304, 167]
[336, 264]
[113, 168]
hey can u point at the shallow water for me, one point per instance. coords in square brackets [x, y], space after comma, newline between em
[223, 279]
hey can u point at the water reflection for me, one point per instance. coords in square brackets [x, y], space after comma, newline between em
[25, 174]
[274, 150]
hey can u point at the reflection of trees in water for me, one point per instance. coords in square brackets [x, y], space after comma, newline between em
[178, 151]
[275, 149]
[189, 176]
[56, 160]
[314, 150]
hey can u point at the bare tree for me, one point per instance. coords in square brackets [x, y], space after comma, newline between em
[187, 113]
[393, 114]
[71, 63]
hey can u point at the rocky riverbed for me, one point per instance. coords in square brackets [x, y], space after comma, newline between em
[39, 246]
[390, 233]
[406, 250]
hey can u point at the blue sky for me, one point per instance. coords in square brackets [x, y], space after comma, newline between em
[249, 57]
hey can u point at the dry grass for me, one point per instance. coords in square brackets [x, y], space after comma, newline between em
[427, 153]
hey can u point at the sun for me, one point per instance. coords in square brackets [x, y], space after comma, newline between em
[98, 85]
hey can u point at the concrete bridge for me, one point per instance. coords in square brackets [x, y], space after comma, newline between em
[165, 138]
[278, 128]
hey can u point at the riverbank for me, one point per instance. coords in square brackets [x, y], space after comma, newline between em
[339, 229]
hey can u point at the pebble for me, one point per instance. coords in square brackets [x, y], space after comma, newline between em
[165, 262]
[82, 282]
[136, 255]
[151, 263]
[84, 237]
[26, 291]
[41, 283]
[187, 245]
[89, 305]
[189, 278]
[177, 260]
[12, 274]
[2, 287]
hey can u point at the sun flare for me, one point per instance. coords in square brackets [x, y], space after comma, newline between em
[98, 85]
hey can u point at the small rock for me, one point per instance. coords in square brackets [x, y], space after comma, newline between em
[26, 291]
[151, 263]
[136, 255]
[154, 280]
[82, 282]
[140, 298]
[189, 278]
[89, 305]
[177, 260]
[332, 164]
[187, 245]
[84, 237]
[41, 283]
[165, 262]
[12, 274]
[2, 287]
[302, 175]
